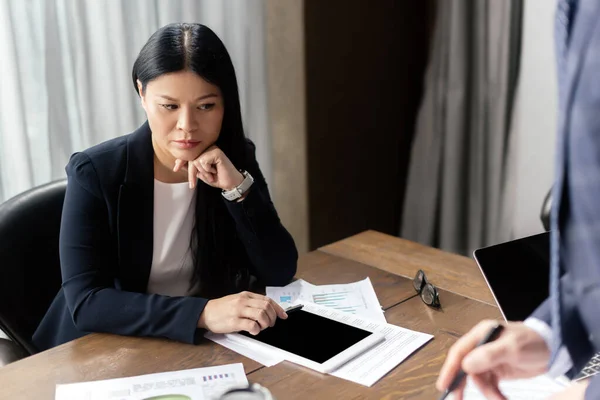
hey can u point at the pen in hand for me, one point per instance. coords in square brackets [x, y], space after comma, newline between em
[460, 376]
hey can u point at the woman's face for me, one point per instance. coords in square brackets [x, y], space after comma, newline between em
[185, 114]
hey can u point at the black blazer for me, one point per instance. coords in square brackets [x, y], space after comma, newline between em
[106, 244]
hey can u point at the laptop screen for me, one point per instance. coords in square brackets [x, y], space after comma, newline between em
[517, 273]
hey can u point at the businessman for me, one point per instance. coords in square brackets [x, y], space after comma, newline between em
[564, 332]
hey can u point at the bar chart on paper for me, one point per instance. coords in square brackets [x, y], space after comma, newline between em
[354, 298]
[347, 301]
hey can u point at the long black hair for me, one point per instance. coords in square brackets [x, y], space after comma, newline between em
[218, 265]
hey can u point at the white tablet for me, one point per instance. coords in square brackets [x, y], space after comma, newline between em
[313, 341]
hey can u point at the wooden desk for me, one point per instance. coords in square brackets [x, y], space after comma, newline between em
[378, 256]
[452, 272]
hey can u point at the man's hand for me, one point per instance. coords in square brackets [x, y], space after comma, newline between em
[519, 352]
[574, 392]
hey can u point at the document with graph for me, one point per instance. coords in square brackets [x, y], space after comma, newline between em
[354, 298]
[190, 384]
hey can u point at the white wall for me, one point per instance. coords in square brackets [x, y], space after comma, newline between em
[534, 122]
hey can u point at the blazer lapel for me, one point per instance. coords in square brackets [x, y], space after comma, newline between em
[135, 212]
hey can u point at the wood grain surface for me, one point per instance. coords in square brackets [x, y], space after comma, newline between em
[322, 269]
[103, 356]
[388, 262]
[452, 272]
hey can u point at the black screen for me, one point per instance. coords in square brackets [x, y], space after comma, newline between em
[311, 336]
[518, 273]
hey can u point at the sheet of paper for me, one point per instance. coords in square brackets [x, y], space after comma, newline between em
[537, 388]
[354, 298]
[259, 355]
[191, 384]
[372, 365]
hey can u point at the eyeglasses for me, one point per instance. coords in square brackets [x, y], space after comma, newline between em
[426, 290]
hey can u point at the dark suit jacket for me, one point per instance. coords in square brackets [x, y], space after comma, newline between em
[106, 247]
[576, 193]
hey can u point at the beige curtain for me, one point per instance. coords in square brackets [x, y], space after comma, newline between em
[65, 75]
[458, 161]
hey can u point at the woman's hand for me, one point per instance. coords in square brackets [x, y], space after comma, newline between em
[213, 167]
[244, 311]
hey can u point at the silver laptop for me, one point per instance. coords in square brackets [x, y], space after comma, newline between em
[517, 273]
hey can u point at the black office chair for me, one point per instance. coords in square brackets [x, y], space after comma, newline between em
[29, 264]
[546, 208]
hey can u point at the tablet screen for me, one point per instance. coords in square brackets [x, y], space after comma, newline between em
[311, 336]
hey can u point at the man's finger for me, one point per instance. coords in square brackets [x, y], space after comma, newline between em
[488, 385]
[488, 356]
[460, 349]
[459, 392]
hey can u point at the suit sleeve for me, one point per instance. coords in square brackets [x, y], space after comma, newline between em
[269, 245]
[543, 312]
[593, 390]
[88, 272]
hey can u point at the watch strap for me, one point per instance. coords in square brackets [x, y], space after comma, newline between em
[238, 191]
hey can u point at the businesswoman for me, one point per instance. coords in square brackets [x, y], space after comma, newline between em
[164, 228]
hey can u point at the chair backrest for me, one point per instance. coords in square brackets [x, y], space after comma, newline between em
[30, 274]
[546, 210]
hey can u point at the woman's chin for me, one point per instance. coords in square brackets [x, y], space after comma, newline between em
[186, 155]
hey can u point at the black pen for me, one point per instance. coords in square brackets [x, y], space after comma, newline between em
[294, 308]
[490, 337]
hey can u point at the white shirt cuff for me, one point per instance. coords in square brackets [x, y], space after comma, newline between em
[562, 363]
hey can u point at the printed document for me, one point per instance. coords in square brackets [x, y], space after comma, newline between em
[191, 384]
[372, 365]
[357, 298]
[537, 388]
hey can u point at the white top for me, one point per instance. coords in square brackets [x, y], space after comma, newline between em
[174, 217]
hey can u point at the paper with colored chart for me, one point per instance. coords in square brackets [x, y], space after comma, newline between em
[190, 384]
[357, 298]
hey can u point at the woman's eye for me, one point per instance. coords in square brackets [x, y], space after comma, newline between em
[207, 106]
[169, 106]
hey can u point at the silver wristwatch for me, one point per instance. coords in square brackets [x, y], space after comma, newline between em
[240, 189]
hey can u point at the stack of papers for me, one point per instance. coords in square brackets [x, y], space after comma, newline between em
[367, 368]
[191, 384]
[537, 388]
[372, 365]
[355, 298]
